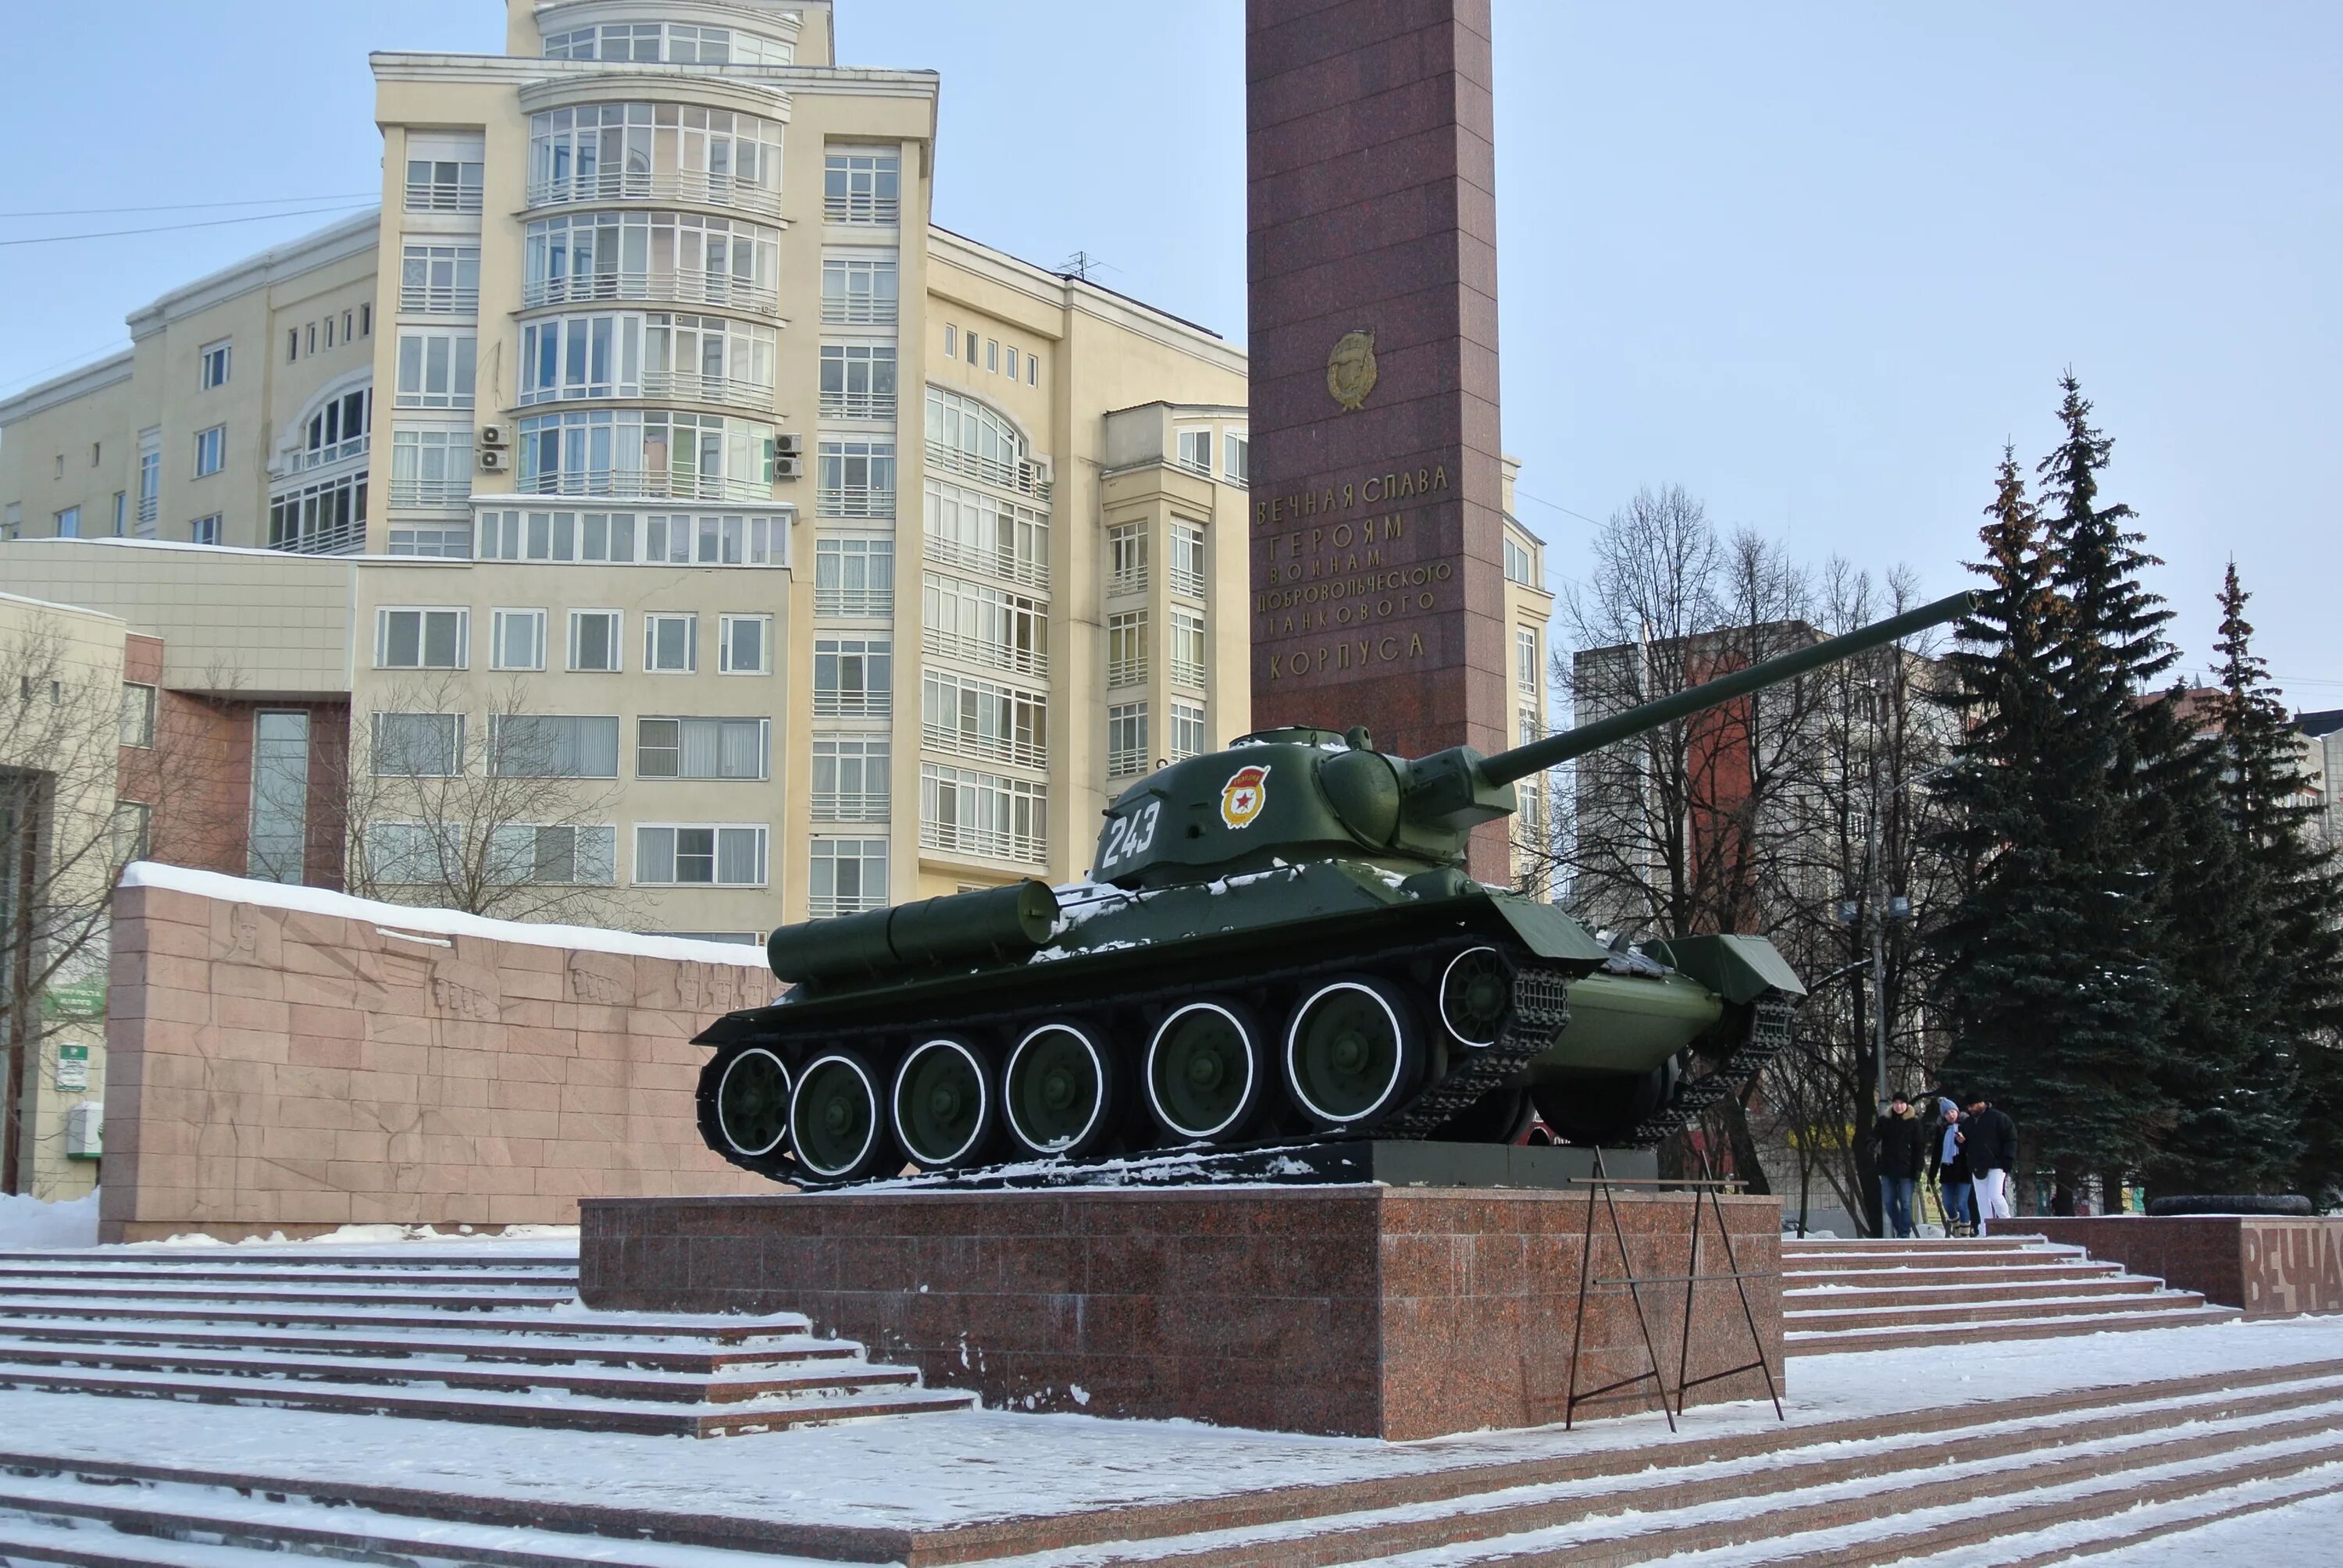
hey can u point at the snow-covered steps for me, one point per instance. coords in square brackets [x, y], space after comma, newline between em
[466, 1337]
[1886, 1295]
[1871, 1487]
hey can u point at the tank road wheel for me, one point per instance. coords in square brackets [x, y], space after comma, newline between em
[752, 1103]
[1055, 1090]
[1204, 1070]
[1351, 1053]
[1476, 992]
[836, 1125]
[943, 1104]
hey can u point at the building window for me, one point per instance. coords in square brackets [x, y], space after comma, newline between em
[1521, 563]
[1186, 730]
[853, 577]
[134, 831]
[850, 777]
[858, 291]
[211, 450]
[744, 645]
[150, 480]
[436, 279]
[858, 381]
[971, 334]
[1126, 648]
[671, 644]
[983, 719]
[421, 638]
[418, 745]
[1529, 725]
[516, 640]
[863, 188]
[706, 358]
[407, 853]
[1126, 740]
[435, 369]
[619, 539]
[993, 355]
[967, 812]
[662, 258]
[137, 714]
[1195, 448]
[1010, 368]
[349, 320]
[972, 438]
[1126, 550]
[553, 746]
[969, 528]
[855, 478]
[450, 541]
[1032, 370]
[336, 431]
[846, 877]
[598, 151]
[211, 365]
[648, 453]
[702, 747]
[330, 332]
[690, 856]
[121, 513]
[951, 341]
[430, 467]
[447, 179]
[1187, 559]
[1525, 659]
[11, 520]
[310, 337]
[68, 523]
[1187, 649]
[328, 518]
[277, 832]
[989, 624]
[1236, 457]
[365, 321]
[205, 530]
[594, 640]
[853, 677]
[674, 43]
[561, 855]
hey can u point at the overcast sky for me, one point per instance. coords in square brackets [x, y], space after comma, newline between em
[1814, 261]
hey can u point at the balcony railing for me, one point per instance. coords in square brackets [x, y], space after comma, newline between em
[829, 906]
[852, 704]
[693, 387]
[633, 484]
[992, 843]
[992, 655]
[858, 404]
[858, 310]
[1127, 671]
[1023, 477]
[844, 806]
[1191, 584]
[441, 196]
[680, 286]
[665, 185]
[346, 541]
[990, 747]
[147, 510]
[438, 494]
[855, 501]
[1123, 764]
[1187, 673]
[853, 601]
[1002, 564]
[860, 206]
[1134, 580]
[309, 457]
[439, 299]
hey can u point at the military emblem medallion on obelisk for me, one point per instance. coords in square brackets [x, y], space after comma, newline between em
[1351, 368]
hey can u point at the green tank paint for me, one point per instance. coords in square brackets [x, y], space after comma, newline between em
[1278, 940]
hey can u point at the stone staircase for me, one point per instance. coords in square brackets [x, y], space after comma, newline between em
[477, 1334]
[1840, 1296]
[2002, 1483]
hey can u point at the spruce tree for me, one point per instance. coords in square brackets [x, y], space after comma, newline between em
[2295, 982]
[2121, 772]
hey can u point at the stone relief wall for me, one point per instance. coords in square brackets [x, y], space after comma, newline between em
[278, 1068]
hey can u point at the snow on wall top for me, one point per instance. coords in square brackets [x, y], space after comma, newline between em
[439, 922]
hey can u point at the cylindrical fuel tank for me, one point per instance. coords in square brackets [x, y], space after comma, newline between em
[1629, 1023]
[996, 923]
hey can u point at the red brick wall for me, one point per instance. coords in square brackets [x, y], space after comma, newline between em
[277, 1069]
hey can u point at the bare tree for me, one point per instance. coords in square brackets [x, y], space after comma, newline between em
[484, 806]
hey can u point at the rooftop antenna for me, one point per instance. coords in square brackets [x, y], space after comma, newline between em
[1081, 264]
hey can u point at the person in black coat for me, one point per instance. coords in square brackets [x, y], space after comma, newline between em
[1948, 1164]
[1992, 1145]
[1899, 1142]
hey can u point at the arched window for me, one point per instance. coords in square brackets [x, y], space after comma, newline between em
[976, 439]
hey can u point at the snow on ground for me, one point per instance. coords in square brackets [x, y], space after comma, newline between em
[556, 1238]
[26, 1222]
[991, 1465]
[2303, 1533]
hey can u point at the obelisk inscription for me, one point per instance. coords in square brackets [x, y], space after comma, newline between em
[1377, 537]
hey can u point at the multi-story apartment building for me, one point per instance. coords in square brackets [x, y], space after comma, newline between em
[834, 559]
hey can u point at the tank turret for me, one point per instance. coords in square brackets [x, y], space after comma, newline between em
[1278, 941]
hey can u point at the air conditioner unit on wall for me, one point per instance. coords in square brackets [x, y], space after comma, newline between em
[492, 435]
[492, 461]
[787, 467]
[790, 444]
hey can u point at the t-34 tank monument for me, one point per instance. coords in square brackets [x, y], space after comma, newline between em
[1280, 945]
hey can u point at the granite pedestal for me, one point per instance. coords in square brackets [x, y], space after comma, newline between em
[1358, 1309]
[2269, 1267]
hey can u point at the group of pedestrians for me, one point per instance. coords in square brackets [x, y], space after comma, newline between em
[1966, 1153]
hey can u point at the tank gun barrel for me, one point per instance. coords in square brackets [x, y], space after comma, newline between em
[1539, 755]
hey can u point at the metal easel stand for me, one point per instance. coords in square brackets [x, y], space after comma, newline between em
[1708, 1186]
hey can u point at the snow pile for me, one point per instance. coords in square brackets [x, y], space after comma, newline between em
[443, 922]
[373, 1235]
[29, 1222]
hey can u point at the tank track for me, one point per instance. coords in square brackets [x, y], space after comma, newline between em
[1541, 1010]
[1769, 1032]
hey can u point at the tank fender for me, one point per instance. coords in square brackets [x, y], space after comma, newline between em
[1550, 934]
[1739, 968]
